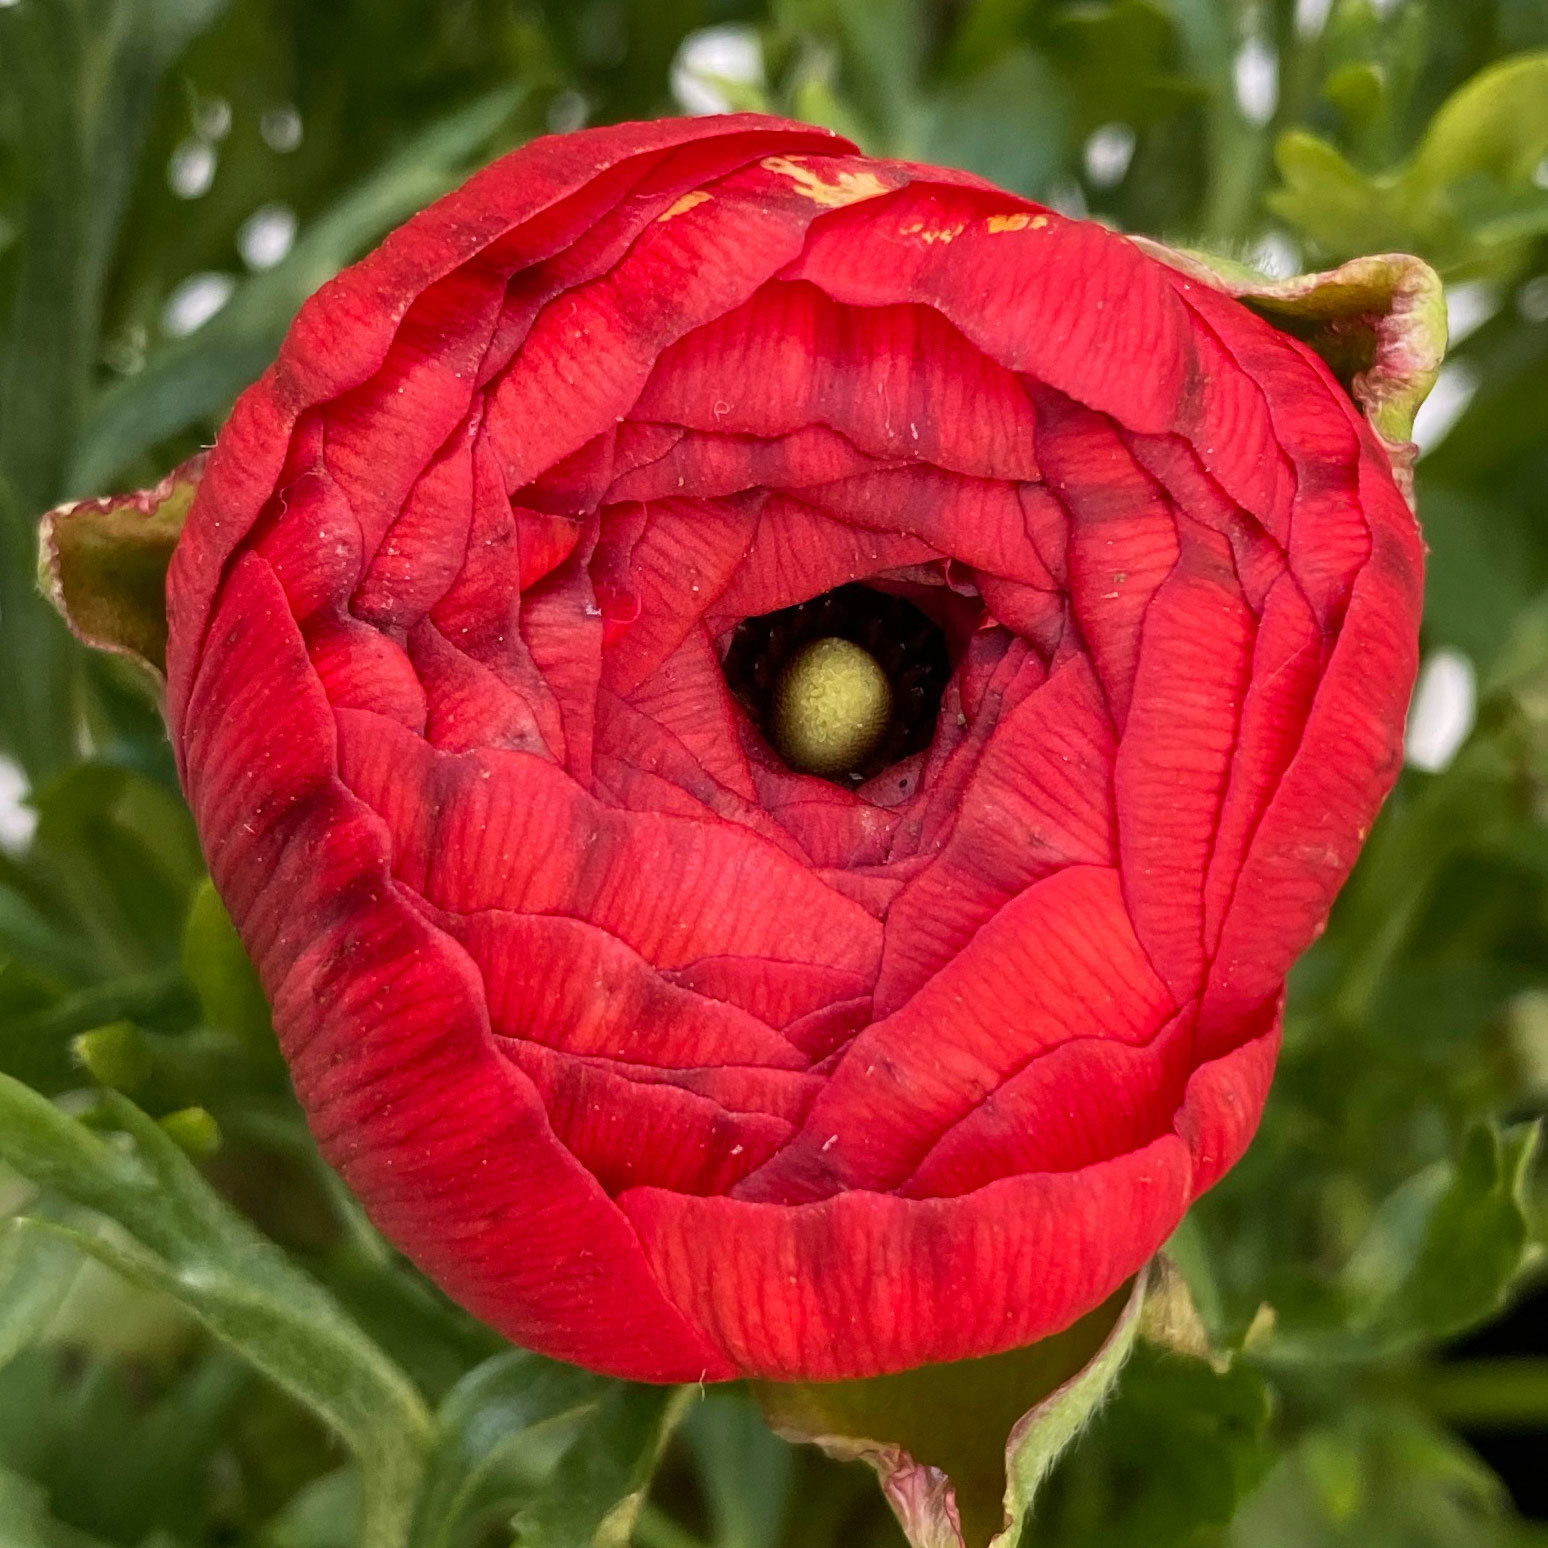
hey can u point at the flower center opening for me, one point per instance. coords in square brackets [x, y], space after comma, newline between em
[842, 685]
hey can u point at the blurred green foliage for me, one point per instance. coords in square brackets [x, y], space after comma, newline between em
[202, 1342]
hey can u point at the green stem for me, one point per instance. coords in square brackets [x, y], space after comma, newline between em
[1500, 1394]
[1237, 151]
[38, 722]
[1239, 165]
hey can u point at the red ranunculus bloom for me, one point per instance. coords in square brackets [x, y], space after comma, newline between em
[659, 1055]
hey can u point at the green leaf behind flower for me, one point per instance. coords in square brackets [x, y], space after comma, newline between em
[595, 1493]
[184, 1240]
[1468, 197]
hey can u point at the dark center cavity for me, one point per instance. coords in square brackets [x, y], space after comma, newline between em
[799, 691]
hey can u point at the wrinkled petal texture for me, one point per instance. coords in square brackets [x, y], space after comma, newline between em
[662, 1057]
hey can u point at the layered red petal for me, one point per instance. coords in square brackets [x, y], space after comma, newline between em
[660, 1055]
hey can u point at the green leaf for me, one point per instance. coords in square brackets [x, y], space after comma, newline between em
[1010, 123]
[83, 85]
[1370, 65]
[327, 1364]
[1441, 1253]
[1495, 125]
[26, 1522]
[985, 30]
[37, 1033]
[1445, 1250]
[186, 1241]
[37, 726]
[1466, 198]
[321, 1515]
[223, 976]
[85, 1427]
[1117, 60]
[882, 46]
[484, 1454]
[1169, 1458]
[1323, 196]
[35, 1276]
[193, 380]
[1503, 1392]
[1378, 1477]
[1359, 90]
[107, 878]
[594, 1496]
[83, 78]
[36, 953]
[1487, 563]
[744, 1469]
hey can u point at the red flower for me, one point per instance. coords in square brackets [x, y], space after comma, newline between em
[661, 1056]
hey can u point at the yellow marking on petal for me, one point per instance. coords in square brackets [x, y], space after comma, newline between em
[688, 202]
[846, 187]
[1020, 221]
[831, 707]
[931, 234]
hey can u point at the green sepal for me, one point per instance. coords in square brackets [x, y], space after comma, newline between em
[1379, 323]
[961, 1449]
[103, 564]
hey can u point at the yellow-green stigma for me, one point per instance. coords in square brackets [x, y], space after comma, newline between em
[831, 707]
